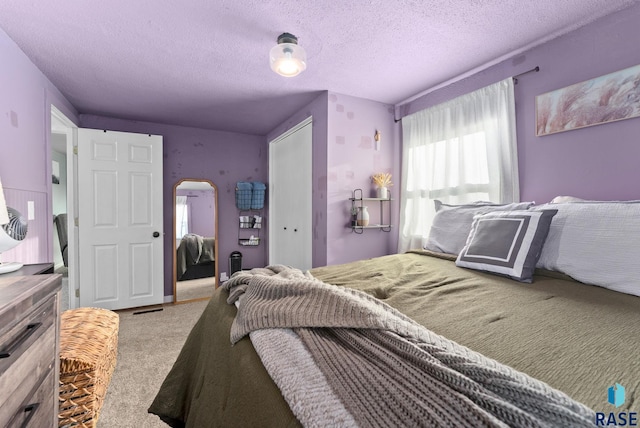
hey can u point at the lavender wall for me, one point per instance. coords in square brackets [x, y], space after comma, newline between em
[25, 155]
[599, 162]
[344, 158]
[318, 109]
[222, 157]
[201, 209]
[352, 159]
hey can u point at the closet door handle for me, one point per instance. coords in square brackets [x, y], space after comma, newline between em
[18, 341]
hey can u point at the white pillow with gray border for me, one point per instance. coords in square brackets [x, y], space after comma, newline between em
[506, 242]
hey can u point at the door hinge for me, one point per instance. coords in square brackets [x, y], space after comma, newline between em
[75, 150]
[77, 292]
[76, 222]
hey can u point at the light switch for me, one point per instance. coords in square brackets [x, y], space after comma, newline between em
[31, 211]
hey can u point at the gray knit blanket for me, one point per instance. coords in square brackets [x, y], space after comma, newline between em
[193, 243]
[383, 368]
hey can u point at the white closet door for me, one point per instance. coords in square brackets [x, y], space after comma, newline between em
[290, 195]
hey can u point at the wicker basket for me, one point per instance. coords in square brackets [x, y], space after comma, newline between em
[88, 348]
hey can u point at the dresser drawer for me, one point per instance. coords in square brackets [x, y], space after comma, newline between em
[27, 356]
[36, 411]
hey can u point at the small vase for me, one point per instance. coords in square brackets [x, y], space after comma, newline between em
[383, 193]
[363, 216]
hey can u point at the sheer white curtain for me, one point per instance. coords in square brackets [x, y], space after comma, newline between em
[460, 151]
[182, 217]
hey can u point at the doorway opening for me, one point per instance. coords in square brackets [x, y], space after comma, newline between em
[62, 200]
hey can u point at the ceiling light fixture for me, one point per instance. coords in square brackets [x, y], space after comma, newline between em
[287, 58]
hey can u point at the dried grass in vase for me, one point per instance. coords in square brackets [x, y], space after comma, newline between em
[382, 179]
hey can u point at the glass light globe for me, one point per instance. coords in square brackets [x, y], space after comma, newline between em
[288, 59]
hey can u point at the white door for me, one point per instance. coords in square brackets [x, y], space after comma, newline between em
[120, 219]
[290, 198]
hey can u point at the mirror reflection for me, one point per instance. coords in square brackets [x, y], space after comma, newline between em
[196, 250]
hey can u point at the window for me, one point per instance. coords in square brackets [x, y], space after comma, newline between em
[460, 167]
[182, 217]
[460, 151]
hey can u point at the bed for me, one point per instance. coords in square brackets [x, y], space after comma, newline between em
[195, 257]
[556, 338]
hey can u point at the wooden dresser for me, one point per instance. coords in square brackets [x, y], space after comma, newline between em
[29, 350]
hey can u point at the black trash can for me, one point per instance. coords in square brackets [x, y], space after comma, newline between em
[235, 262]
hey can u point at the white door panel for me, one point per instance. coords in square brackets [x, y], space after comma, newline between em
[120, 195]
[290, 198]
[104, 281]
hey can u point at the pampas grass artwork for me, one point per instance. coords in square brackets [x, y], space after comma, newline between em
[612, 97]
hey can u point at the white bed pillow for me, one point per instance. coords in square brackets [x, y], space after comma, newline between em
[596, 243]
[452, 223]
[563, 199]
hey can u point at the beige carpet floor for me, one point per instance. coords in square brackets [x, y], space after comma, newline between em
[195, 288]
[148, 344]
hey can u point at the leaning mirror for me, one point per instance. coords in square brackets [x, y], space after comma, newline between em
[195, 230]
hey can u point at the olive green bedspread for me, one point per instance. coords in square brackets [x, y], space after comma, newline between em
[577, 338]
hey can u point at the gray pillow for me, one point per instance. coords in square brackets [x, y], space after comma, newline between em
[507, 242]
[452, 223]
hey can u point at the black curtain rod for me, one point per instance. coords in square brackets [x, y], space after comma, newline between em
[515, 81]
[533, 70]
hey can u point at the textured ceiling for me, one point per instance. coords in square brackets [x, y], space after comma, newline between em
[204, 63]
